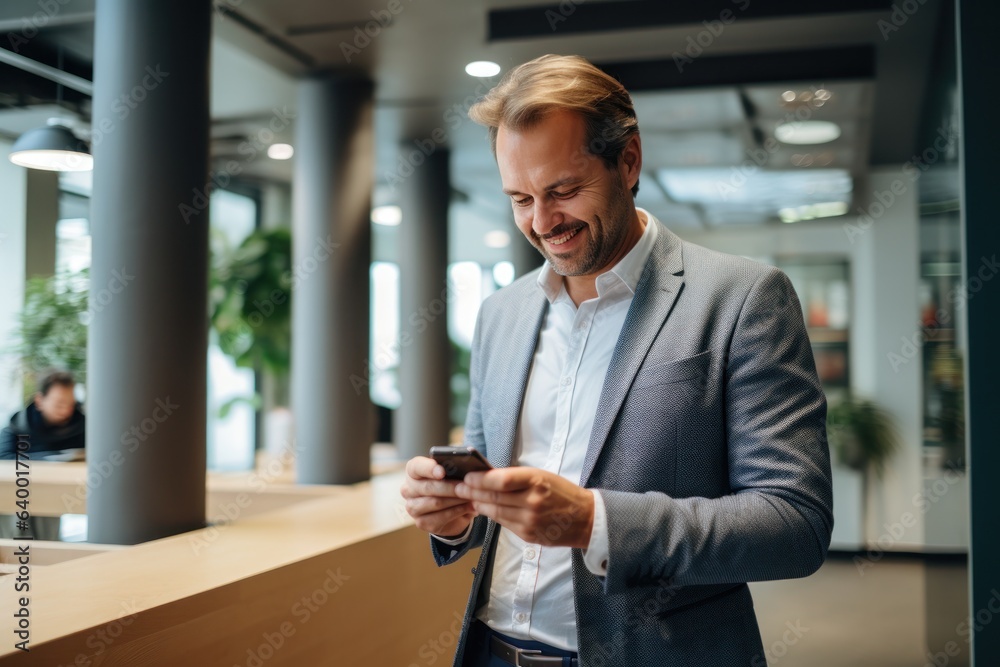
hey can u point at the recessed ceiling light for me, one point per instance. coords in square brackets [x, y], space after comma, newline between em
[497, 239]
[807, 132]
[280, 151]
[482, 68]
[788, 96]
[390, 216]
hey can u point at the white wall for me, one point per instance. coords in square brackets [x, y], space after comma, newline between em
[13, 212]
[884, 259]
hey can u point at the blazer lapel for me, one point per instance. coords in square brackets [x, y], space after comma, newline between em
[661, 282]
[521, 343]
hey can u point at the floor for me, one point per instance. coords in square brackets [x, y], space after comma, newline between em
[868, 616]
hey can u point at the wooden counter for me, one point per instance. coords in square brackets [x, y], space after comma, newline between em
[343, 579]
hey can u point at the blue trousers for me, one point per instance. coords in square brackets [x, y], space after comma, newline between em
[477, 653]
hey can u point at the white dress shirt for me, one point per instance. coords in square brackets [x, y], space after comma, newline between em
[531, 593]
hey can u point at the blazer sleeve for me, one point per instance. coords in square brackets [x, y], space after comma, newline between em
[777, 520]
[445, 554]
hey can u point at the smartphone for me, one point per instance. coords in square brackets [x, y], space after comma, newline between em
[457, 461]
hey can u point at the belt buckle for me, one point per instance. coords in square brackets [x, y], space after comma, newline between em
[518, 652]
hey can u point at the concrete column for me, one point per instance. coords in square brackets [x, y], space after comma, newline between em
[148, 313]
[334, 176]
[423, 418]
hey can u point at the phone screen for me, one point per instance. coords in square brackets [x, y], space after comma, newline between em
[458, 461]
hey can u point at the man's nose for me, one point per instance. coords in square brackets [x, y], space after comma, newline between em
[547, 217]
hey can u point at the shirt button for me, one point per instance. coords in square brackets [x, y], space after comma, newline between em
[566, 381]
[521, 617]
[529, 553]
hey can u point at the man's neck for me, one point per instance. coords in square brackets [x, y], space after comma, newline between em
[583, 288]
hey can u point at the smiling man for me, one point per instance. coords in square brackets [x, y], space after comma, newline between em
[652, 409]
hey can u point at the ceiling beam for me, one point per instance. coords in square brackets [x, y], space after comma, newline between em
[570, 17]
[47, 72]
[817, 65]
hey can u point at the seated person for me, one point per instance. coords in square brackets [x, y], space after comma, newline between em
[52, 422]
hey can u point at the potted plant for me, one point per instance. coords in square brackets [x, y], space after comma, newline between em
[52, 330]
[863, 437]
[250, 308]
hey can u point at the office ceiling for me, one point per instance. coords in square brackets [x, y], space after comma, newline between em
[711, 82]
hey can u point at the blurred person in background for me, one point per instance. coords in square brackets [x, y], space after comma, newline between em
[54, 427]
[51, 424]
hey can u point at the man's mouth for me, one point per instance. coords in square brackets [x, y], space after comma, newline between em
[564, 237]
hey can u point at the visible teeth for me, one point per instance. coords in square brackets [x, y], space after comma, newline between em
[565, 237]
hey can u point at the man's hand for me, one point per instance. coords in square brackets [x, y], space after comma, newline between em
[536, 505]
[431, 499]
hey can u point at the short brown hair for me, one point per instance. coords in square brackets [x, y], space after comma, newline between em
[545, 84]
[53, 378]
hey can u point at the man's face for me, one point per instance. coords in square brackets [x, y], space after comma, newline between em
[566, 201]
[56, 406]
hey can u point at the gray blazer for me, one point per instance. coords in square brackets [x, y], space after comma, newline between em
[709, 450]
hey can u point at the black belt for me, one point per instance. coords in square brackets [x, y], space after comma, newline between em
[521, 657]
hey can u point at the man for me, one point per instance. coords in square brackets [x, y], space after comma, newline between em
[651, 406]
[51, 423]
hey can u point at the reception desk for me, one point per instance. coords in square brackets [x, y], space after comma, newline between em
[313, 575]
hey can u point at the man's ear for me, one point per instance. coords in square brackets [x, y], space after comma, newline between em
[38, 399]
[631, 161]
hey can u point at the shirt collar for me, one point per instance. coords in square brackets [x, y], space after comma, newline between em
[627, 271]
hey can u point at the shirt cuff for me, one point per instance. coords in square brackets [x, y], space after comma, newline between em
[458, 540]
[595, 556]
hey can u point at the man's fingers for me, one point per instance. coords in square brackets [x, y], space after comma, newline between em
[509, 498]
[420, 488]
[502, 479]
[505, 515]
[428, 505]
[423, 467]
[434, 522]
